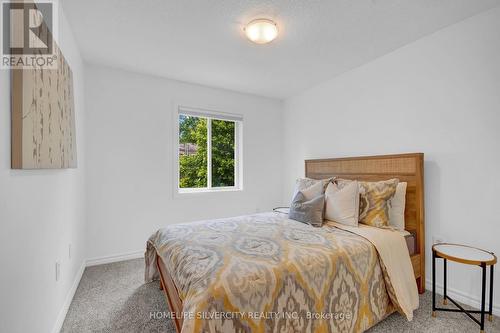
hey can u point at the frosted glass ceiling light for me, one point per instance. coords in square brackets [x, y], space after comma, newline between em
[261, 31]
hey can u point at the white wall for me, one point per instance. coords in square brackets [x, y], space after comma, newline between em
[41, 213]
[439, 95]
[130, 150]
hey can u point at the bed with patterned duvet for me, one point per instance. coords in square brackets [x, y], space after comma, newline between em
[267, 273]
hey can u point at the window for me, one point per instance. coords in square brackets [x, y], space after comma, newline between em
[209, 151]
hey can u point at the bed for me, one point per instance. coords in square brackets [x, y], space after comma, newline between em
[266, 273]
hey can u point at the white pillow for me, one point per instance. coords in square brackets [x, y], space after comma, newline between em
[397, 207]
[342, 205]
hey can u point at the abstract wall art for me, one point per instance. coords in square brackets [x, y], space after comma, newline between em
[43, 117]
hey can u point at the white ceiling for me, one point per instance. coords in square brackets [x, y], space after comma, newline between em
[201, 41]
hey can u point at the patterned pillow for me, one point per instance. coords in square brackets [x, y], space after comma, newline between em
[303, 183]
[311, 188]
[374, 196]
[307, 211]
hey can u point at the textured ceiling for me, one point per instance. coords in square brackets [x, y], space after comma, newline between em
[201, 41]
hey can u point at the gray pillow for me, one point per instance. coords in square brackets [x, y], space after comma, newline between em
[310, 212]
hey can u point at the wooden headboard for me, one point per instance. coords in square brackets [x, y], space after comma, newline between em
[407, 168]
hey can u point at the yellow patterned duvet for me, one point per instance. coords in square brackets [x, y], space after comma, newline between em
[266, 273]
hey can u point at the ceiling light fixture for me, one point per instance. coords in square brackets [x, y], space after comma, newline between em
[261, 31]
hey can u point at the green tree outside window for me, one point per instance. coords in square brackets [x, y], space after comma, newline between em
[193, 155]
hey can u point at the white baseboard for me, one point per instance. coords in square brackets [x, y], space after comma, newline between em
[115, 258]
[462, 297]
[67, 302]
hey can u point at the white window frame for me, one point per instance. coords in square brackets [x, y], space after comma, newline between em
[238, 151]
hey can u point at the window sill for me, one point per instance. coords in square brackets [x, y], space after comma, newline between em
[182, 193]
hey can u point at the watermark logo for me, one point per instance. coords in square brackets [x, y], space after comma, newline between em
[230, 315]
[28, 34]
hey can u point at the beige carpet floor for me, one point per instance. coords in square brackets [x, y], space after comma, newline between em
[114, 298]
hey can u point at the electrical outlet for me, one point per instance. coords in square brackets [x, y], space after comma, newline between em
[69, 251]
[58, 270]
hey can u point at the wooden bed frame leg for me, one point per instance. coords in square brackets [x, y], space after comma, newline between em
[420, 285]
[161, 285]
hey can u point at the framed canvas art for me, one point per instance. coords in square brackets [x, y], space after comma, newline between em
[43, 117]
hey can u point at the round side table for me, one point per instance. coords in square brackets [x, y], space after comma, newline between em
[469, 256]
